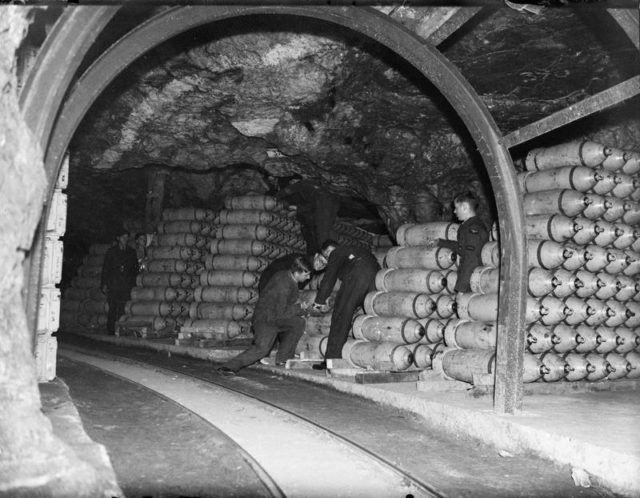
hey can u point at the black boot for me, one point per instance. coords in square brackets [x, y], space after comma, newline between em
[320, 366]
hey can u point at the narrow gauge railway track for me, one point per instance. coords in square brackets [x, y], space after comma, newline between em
[446, 465]
[357, 457]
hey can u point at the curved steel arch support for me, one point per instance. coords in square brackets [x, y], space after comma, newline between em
[58, 60]
[40, 100]
[433, 65]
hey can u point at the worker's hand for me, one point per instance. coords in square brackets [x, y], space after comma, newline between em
[104, 289]
[318, 309]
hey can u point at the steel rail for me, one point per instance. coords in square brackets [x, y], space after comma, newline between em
[261, 473]
[416, 482]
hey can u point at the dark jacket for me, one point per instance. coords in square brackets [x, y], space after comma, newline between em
[472, 235]
[342, 261]
[278, 299]
[119, 272]
[278, 264]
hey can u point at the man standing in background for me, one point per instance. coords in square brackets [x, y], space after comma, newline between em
[118, 277]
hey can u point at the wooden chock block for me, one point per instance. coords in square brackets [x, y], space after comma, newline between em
[301, 363]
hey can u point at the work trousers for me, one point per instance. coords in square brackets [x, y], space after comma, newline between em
[116, 310]
[354, 287]
[287, 330]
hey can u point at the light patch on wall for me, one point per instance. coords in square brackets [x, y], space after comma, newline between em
[295, 50]
[255, 127]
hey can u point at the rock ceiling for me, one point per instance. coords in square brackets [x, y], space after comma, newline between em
[236, 106]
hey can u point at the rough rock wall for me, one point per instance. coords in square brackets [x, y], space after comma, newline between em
[271, 96]
[32, 460]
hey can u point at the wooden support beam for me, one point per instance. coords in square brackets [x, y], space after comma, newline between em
[442, 22]
[628, 21]
[591, 105]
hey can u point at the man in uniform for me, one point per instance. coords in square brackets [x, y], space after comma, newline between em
[277, 315]
[472, 235]
[284, 263]
[356, 268]
[118, 277]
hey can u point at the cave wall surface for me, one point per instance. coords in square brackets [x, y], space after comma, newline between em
[33, 462]
[243, 103]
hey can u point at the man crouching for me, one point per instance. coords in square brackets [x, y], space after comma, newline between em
[278, 315]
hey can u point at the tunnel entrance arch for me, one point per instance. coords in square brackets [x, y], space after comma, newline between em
[389, 33]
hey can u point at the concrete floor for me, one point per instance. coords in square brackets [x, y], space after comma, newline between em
[594, 431]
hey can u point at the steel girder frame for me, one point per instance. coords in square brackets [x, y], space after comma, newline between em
[424, 57]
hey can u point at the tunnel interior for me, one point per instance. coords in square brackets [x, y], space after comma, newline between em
[246, 103]
[243, 105]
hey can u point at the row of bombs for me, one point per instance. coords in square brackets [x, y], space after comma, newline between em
[545, 254]
[558, 282]
[375, 343]
[464, 364]
[84, 304]
[554, 296]
[171, 289]
[581, 179]
[553, 227]
[548, 310]
[244, 231]
[573, 203]
[560, 353]
[583, 153]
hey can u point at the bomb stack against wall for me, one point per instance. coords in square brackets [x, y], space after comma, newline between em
[313, 343]
[580, 202]
[404, 318]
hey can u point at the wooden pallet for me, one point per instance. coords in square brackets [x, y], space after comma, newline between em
[201, 342]
[142, 330]
[344, 370]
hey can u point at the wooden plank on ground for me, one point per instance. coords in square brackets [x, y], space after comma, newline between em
[384, 377]
[212, 343]
[302, 363]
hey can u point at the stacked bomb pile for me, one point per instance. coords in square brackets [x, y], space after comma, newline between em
[404, 317]
[582, 217]
[345, 233]
[313, 343]
[84, 304]
[164, 292]
[249, 233]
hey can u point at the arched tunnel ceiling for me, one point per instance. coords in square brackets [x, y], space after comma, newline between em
[235, 105]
